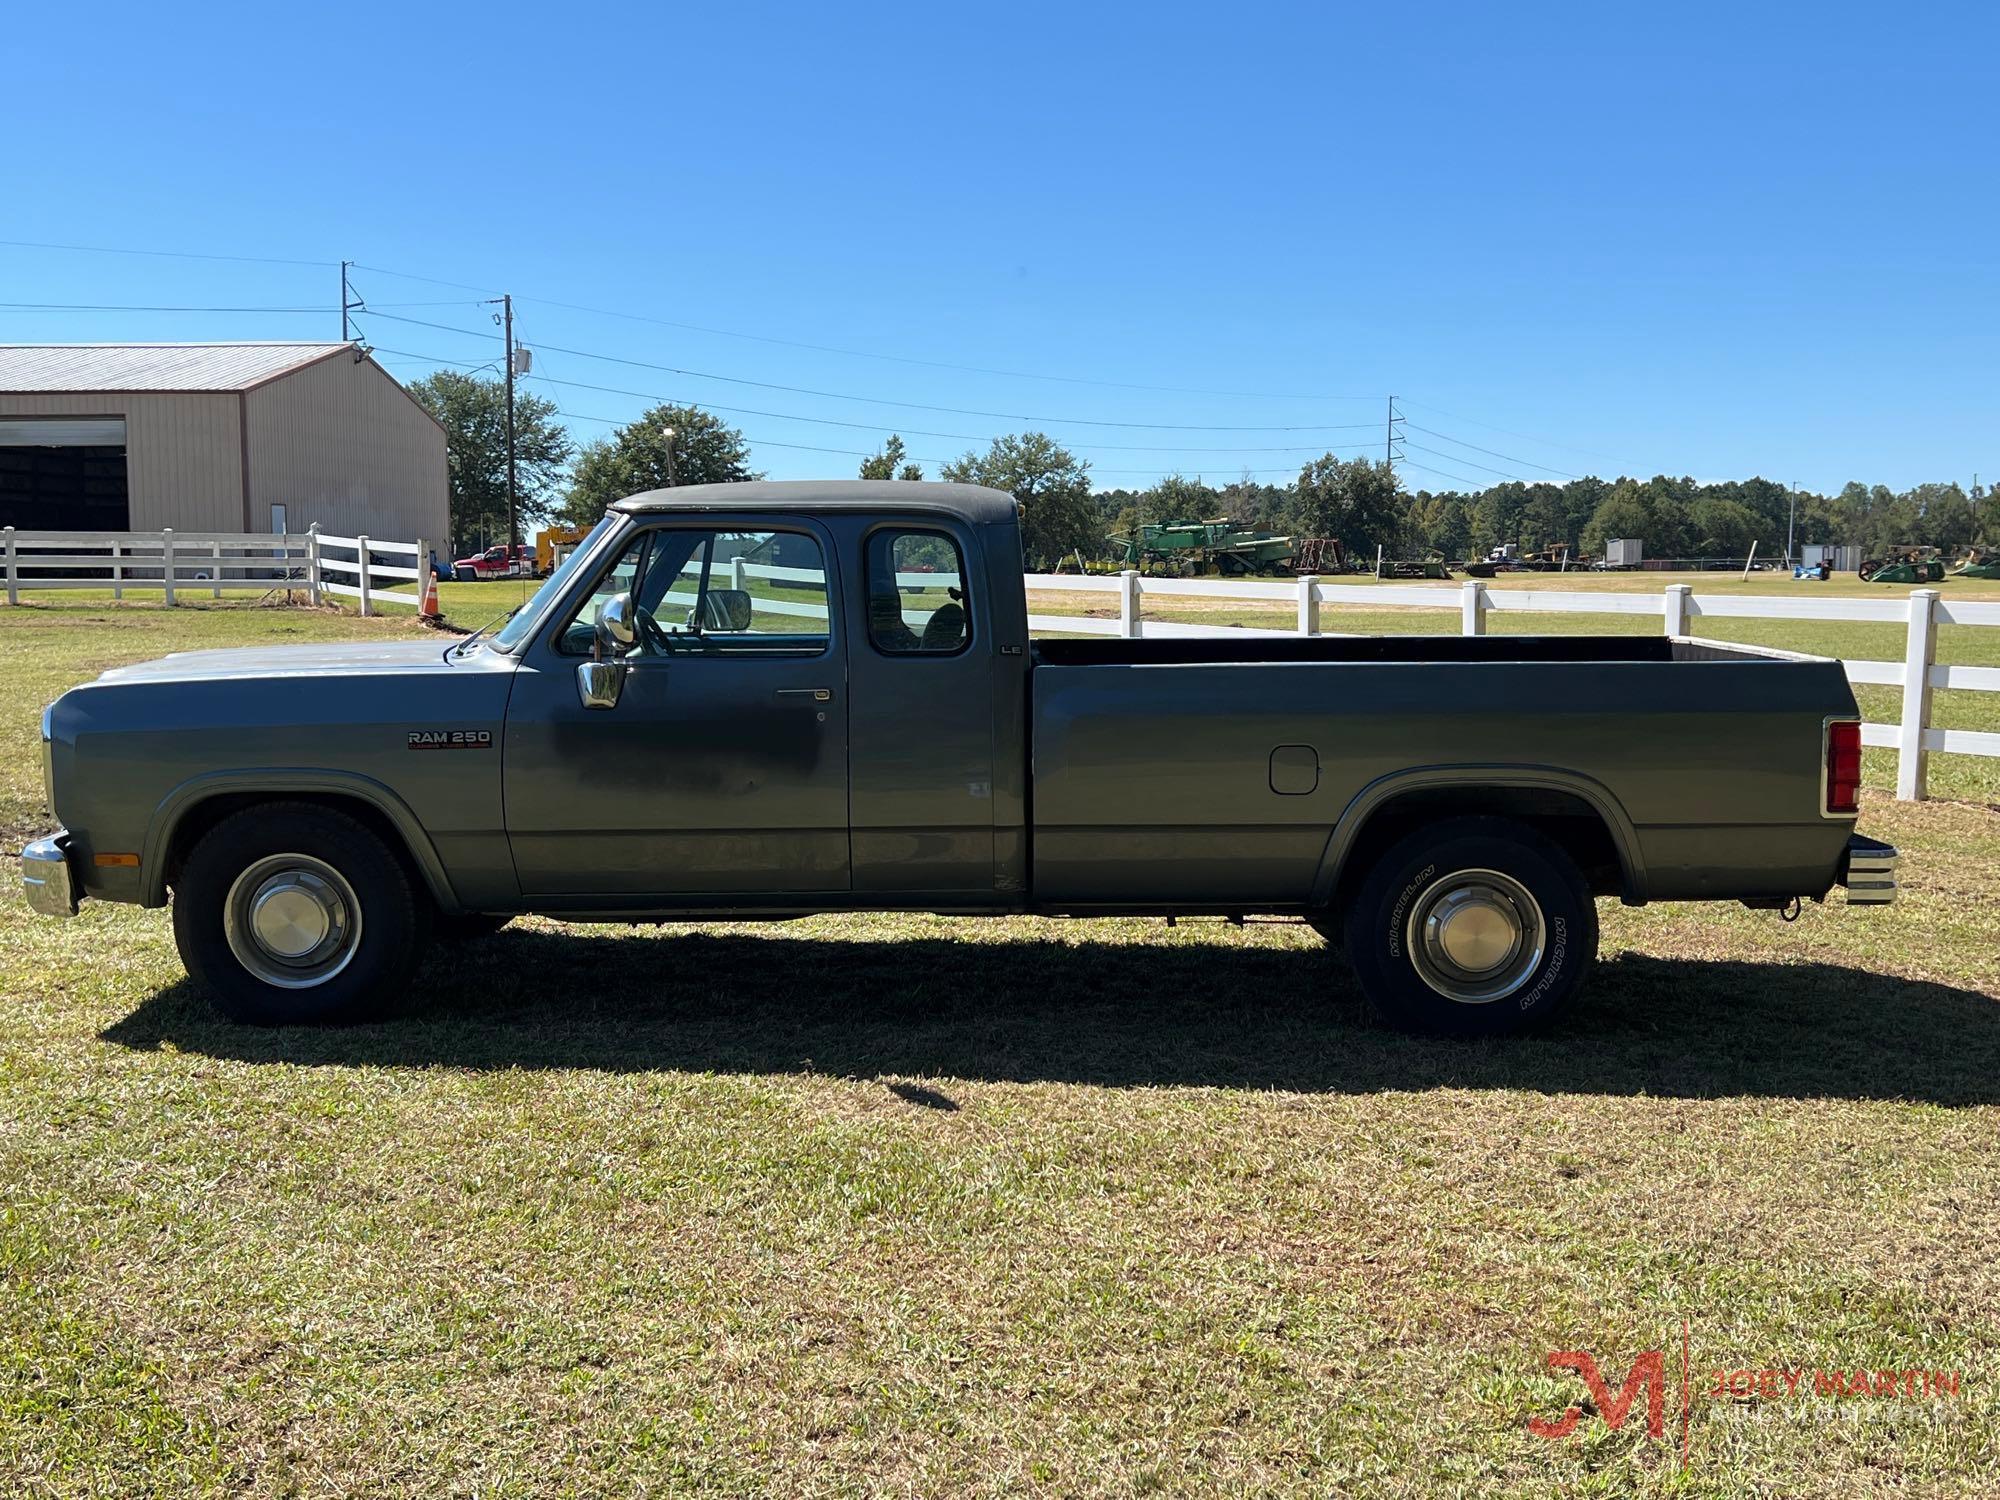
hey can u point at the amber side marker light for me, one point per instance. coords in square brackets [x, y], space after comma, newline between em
[1843, 766]
[118, 861]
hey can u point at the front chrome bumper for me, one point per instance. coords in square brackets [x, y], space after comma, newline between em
[51, 886]
[1868, 870]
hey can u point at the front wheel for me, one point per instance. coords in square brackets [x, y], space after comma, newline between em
[291, 913]
[1472, 927]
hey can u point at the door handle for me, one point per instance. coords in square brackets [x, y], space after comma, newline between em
[818, 695]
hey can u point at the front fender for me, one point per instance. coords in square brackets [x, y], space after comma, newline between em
[306, 781]
[1379, 793]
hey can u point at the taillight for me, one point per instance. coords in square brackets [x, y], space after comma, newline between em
[1843, 767]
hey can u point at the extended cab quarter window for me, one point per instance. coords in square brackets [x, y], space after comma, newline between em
[700, 592]
[916, 593]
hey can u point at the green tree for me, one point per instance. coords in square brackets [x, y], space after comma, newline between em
[1724, 528]
[1438, 523]
[1354, 499]
[1622, 513]
[890, 464]
[1058, 515]
[1178, 498]
[473, 413]
[634, 459]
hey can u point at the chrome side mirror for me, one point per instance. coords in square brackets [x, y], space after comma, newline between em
[617, 625]
[599, 683]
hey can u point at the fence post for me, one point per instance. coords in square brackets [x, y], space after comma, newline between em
[117, 569]
[1308, 604]
[1129, 623]
[1472, 608]
[13, 573]
[312, 563]
[738, 579]
[1674, 608]
[215, 566]
[1920, 652]
[167, 562]
[361, 569]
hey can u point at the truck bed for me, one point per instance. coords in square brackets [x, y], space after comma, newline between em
[1201, 773]
[1209, 650]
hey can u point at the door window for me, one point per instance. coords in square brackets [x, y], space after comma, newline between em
[703, 592]
[917, 603]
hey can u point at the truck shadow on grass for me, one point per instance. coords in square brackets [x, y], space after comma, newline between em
[1120, 1015]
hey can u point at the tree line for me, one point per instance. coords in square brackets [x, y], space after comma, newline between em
[1358, 501]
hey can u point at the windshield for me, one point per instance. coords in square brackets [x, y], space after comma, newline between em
[515, 630]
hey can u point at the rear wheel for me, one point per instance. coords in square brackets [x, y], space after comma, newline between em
[1472, 927]
[292, 913]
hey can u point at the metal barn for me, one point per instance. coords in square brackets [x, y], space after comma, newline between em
[246, 437]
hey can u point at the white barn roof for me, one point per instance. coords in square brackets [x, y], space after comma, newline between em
[152, 367]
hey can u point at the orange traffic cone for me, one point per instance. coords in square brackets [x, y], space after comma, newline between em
[429, 608]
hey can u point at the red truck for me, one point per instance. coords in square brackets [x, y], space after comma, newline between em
[517, 561]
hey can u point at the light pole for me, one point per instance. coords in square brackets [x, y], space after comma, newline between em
[669, 434]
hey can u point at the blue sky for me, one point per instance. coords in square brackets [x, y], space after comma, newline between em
[1716, 241]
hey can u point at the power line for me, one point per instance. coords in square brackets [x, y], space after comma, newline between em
[131, 307]
[463, 286]
[1483, 468]
[956, 411]
[873, 427]
[763, 442]
[253, 260]
[1411, 463]
[1526, 437]
[934, 364]
[1490, 452]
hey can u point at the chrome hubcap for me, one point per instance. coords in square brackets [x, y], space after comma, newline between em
[1475, 936]
[292, 920]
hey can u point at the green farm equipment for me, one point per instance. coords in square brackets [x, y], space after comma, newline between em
[1193, 547]
[1979, 562]
[1904, 565]
[1433, 566]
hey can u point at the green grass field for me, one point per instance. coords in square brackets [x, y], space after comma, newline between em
[903, 1204]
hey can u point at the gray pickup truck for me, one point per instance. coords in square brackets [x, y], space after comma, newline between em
[768, 700]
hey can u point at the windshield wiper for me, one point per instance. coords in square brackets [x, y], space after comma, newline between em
[466, 645]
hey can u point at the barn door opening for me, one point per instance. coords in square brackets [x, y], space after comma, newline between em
[63, 474]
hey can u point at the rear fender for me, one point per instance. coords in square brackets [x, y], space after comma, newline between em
[1380, 794]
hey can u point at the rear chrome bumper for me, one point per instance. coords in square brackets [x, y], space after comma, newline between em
[1868, 870]
[46, 878]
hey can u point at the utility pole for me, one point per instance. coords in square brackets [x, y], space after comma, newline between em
[1389, 439]
[513, 518]
[348, 304]
[1792, 521]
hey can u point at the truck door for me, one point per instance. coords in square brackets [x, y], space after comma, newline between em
[721, 770]
[922, 670]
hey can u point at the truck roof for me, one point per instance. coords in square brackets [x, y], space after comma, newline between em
[969, 502]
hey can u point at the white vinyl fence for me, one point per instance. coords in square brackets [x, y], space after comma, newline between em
[1917, 674]
[174, 563]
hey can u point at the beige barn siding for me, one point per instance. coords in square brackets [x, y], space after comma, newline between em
[183, 453]
[340, 443]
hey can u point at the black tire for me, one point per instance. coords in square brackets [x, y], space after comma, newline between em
[331, 862]
[466, 927]
[1519, 886]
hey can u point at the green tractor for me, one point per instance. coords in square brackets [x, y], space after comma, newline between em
[1979, 562]
[1199, 547]
[1904, 565]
